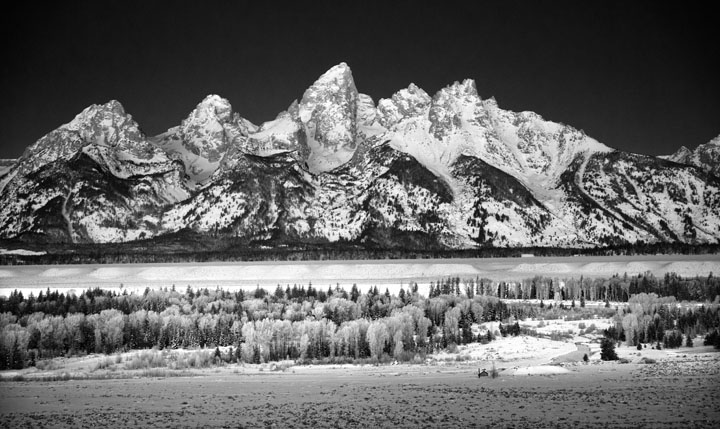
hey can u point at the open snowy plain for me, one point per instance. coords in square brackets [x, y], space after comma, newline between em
[537, 386]
[384, 273]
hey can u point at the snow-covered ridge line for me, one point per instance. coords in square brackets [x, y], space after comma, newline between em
[450, 170]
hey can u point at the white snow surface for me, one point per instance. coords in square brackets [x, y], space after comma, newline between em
[386, 273]
[20, 252]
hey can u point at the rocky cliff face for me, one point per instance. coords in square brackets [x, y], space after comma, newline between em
[414, 171]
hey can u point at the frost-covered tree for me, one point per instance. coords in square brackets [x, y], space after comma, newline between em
[377, 337]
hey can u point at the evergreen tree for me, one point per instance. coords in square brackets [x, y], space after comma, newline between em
[607, 349]
[16, 358]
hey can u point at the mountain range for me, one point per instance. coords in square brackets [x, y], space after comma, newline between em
[414, 171]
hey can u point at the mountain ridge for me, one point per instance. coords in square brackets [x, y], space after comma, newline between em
[448, 171]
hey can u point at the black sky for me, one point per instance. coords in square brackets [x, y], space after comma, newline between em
[637, 76]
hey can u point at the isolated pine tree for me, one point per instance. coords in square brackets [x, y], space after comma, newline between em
[607, 349]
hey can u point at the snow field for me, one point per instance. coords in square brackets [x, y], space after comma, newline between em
[365, 274]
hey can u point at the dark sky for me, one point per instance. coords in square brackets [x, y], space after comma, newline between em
[635, 75]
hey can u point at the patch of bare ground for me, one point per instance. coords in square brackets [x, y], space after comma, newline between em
[679, 390]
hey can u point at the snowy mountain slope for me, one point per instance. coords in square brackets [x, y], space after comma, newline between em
[666, 204]
[96, 178]
[6, 165]
[706, 156]
[414, 171]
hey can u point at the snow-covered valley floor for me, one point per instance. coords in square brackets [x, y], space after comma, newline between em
[679, 390]
[382, 273]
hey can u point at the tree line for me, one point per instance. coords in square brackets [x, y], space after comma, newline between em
[188, 246]
[310, 323]
[616, 288]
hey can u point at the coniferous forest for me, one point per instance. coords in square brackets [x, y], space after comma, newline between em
[313, 324]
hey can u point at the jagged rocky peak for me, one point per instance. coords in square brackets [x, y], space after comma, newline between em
[109, 125]
[98, 117]
[328, 112]
[450, 104]
[705, 156]
[682, 155]
[458, 90]
[406, 103]
[204, 137]
[212, 107]
[106, 125]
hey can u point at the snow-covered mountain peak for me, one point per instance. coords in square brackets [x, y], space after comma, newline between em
[334, 86]
[459, 90]
[406, 103]
[339, 75]
[213, 106]
[90, 116]
[705, 156]
[203, 138]
[99, 125]
[681, 155]
[327, 113]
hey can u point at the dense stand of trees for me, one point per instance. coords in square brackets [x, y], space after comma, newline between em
[649, 319]
[310, 323]
[296, 323]
[618, 288]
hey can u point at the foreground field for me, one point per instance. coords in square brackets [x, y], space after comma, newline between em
[679, 391]
[539, 385]
[384, 273]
